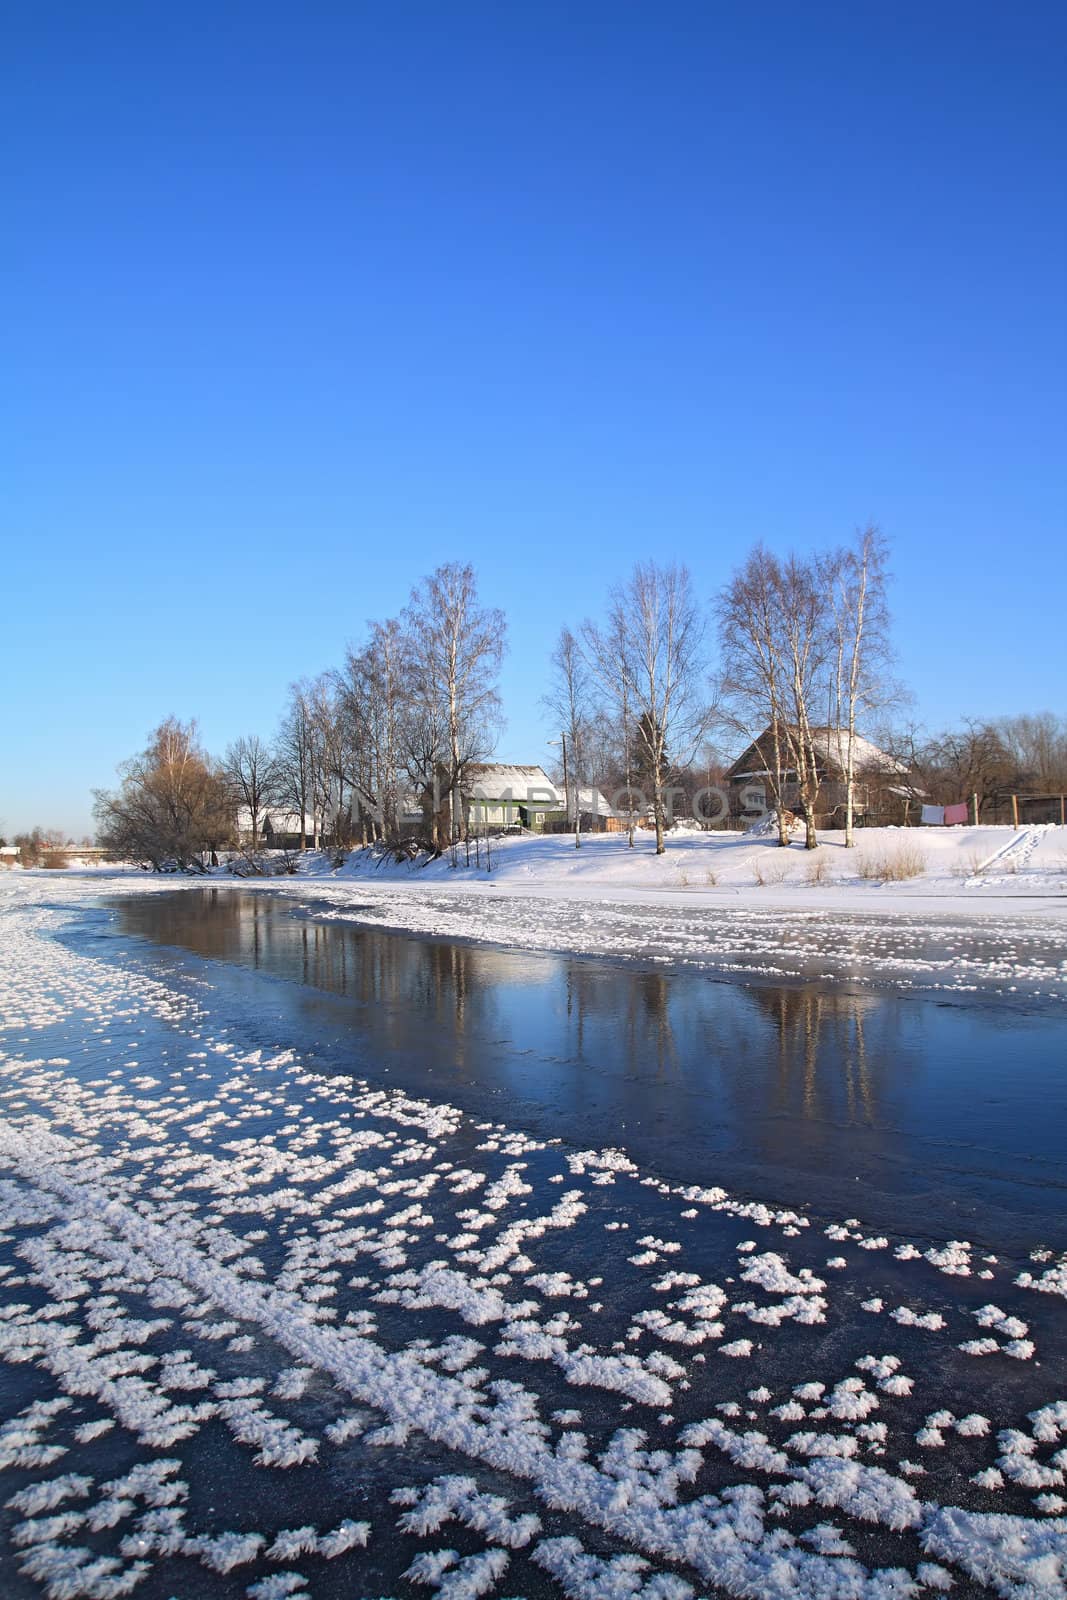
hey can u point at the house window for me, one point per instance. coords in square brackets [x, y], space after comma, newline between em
[753, 800]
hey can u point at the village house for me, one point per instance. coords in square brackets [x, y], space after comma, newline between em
[278, 830]
[496, 795]
[881, 793]
[502, 796]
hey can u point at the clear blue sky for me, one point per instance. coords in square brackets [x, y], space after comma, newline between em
[302, 300]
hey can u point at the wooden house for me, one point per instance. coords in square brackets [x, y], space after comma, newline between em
[880, 791]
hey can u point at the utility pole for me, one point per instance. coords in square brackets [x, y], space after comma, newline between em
[562, 740]
[577, 794]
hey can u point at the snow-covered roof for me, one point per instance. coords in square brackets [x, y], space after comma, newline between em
[594, 800]
[832, 745]
[280, 821]
[493, 781]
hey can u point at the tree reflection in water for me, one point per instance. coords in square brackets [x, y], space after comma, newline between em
[717, 1079]
[822, 1046]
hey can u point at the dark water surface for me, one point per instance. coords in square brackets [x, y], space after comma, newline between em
[916, 1115]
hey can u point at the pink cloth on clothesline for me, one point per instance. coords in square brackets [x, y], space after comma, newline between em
[954, 815]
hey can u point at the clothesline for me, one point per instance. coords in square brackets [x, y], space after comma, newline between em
[946, 816]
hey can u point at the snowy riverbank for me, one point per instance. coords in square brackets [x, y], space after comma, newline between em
[961, 866]
[988, 914]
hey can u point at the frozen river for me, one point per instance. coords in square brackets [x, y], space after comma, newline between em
[335, 1262]
[919, 1112]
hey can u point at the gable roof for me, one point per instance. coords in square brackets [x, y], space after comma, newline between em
[831, 745]
[281, 822]
[496, 781]
[868, 758]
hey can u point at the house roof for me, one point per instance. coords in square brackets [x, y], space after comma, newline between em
[830, 743]
[286, 822]
[493, 781]
[833, 743]
[594, 800]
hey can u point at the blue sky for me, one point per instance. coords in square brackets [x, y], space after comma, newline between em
[303, 300]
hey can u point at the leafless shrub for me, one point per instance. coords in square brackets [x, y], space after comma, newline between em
[53, 859]
[248, 863]
[711, 878]
[818, 868]
[773, 870]
[893, 864]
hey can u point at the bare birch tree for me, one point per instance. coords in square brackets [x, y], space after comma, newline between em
[357, 703]
[650, 656]
[391, 657]
[776, 643]
[457, 648]
[569, 700]
[626, 730]
[610, 744]
[294, 757]
[803, 605]
[331, 808]
[248, 767]
[752, 685]
[375, 698]
[423, 746]
[862, 652]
